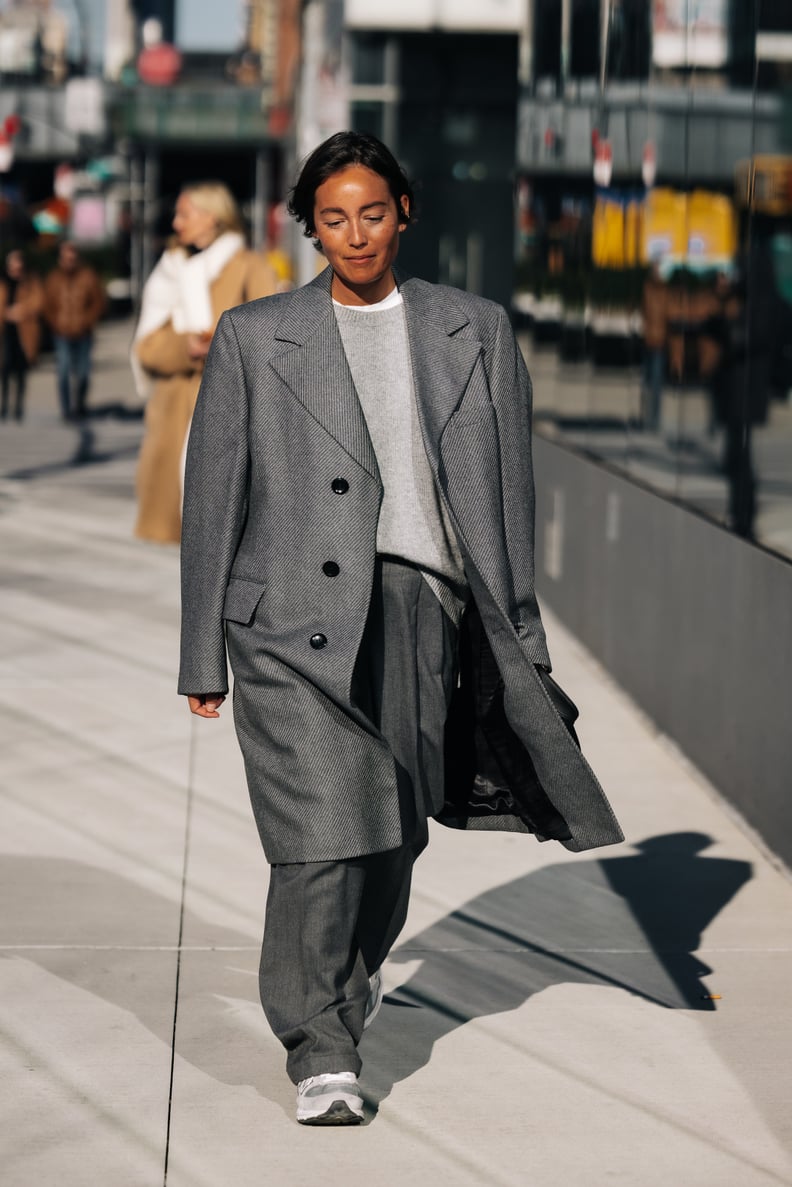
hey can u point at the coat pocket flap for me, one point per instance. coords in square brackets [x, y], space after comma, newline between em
[241, 599]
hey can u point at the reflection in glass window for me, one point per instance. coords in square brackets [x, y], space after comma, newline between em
[367, 53]
[547, 39]
[654, 239]
[585, 36]
[628, 39]
[368, 117]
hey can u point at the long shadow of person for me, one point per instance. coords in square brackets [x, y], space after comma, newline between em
[633, 923]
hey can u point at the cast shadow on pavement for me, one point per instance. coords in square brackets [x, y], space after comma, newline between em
[632, 923]
[117, 940]
[84, 453]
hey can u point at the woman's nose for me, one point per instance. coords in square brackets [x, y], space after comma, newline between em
[357, 233]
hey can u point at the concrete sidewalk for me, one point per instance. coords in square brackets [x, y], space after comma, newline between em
[551, 1019]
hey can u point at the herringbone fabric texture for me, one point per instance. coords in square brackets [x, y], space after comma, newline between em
[281, 508]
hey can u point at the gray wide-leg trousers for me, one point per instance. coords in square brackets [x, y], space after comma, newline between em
[330, 924]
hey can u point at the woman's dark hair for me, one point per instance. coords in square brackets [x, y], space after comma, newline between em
[337, 153]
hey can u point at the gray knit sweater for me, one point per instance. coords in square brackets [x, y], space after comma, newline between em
[413, 522]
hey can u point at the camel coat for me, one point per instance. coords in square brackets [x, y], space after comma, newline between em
[282, 477]
[177, 377]
[30, 297]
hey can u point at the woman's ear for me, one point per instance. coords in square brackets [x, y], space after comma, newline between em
[404, 212]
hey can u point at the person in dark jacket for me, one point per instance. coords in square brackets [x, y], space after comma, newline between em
[654, 318]
[746, 330]
[358, 532]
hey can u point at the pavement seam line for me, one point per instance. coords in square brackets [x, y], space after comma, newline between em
[185, 862]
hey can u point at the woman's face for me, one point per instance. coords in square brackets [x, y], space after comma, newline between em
[15, 264]
[194, 227]
[358, 224]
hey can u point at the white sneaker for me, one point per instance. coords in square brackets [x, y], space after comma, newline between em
[374, 998]
[330, 1099]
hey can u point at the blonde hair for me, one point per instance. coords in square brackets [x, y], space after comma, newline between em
[215, 198]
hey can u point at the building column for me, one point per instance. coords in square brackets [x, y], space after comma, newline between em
[605, 11]
[566, 42]
[258, 229]
[136, 216]
[151, 175]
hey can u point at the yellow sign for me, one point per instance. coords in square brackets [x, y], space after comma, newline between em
[764, 184]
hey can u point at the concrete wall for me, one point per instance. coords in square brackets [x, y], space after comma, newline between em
[694, 623]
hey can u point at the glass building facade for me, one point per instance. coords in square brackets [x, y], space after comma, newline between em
[654, 290]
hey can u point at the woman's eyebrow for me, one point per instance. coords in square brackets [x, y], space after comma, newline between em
[340, 209]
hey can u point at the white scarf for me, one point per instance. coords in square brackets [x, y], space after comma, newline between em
[178, 291]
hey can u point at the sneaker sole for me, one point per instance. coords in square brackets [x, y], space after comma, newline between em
[339, 1113]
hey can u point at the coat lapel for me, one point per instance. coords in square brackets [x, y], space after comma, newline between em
[314, 367]
[460, 429]
[443, 362]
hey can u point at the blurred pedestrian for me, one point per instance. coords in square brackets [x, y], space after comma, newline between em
[74, 301]
[21, 303]
[358, 524]
[718, 306]
[205, 270]
[748, 323]
[654, 309]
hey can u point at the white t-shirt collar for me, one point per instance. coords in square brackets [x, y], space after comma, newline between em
[393, 298]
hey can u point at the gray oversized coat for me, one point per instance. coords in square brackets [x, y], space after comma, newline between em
[282, 477]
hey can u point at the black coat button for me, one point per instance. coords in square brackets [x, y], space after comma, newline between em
[340, 486]
[318, 642]
[330, 569]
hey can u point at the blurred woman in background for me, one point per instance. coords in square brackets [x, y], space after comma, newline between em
[205, 269]
[21, 302]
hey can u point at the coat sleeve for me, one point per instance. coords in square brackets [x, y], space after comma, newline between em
[215, 501]
[512, 395]
[32, 300]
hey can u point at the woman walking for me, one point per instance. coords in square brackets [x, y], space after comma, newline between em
[359, 526]
[205, 270]
[21, 303]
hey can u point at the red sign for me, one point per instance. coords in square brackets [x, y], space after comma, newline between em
[159, 65]
[6, 153]
[603, 162]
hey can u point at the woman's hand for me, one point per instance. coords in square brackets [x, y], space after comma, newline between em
[198, 344]
[206, 704]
